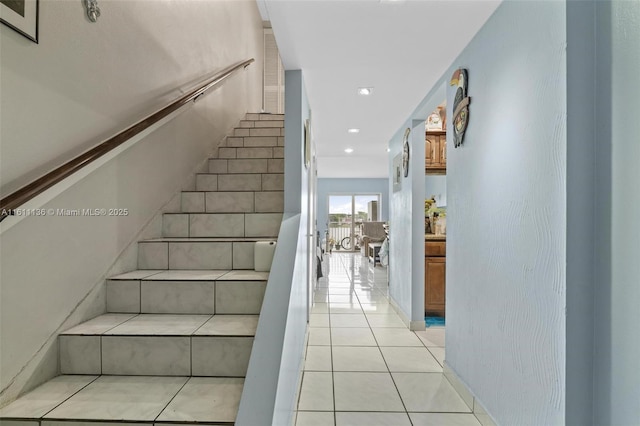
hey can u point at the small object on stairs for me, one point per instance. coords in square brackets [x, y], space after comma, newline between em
[263, 255]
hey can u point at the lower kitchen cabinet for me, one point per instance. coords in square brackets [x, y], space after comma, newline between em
[434, 284]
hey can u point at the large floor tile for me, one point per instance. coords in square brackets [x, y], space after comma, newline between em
[314, 418]
[319, 337]
[372, 419]
[433, 336]
[349, 320]
[318, 358]
[366, 392]
[438, 353]
[352, 337]
[319, 320]
[124, 398]
[316, 393]
[429, 392]
[358, 358]
[385, 321]
[320, 308]
[44, 398]
[205, 399]
[343, 298]
[377, 308]
[396, 337]
[444, 419]
[344, 308]
[410, 359]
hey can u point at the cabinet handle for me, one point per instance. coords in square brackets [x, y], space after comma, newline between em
[443, 157]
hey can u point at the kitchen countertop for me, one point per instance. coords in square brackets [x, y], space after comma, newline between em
[434, 237]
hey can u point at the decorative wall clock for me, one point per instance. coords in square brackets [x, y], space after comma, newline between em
[460, 105]
[405, 152]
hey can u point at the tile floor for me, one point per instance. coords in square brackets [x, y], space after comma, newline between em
[363, 366]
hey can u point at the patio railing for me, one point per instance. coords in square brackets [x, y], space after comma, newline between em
[340, 230]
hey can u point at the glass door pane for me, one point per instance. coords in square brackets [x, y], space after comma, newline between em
[346, 214]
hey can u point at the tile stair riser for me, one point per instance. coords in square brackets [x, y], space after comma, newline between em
[184, 297]
[155, 355]
[221, 166]
[230, 182]
[264, 117]
[264, 223]
[250, 124]
[219, 224]
[271, 151]
[258, 138]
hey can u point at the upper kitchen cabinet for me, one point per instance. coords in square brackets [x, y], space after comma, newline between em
[436, 142]
[436, 152]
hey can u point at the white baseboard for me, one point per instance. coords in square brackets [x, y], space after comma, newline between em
[468, 397]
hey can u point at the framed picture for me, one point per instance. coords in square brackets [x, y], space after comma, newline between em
[22, 16]
[307, 144]
[397, 173]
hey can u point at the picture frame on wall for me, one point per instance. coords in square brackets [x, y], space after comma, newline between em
[21, 16]
[307, 144]
[397, 173]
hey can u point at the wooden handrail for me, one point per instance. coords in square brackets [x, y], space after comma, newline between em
[29, 191]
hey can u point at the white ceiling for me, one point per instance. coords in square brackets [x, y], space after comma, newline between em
[400, 48]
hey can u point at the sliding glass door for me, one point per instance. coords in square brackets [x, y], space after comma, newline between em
[346, 214]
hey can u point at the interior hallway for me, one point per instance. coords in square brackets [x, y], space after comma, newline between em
[363, 366]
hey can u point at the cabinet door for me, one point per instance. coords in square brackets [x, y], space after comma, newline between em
[432, 157]
[435, 285]
[443, 151]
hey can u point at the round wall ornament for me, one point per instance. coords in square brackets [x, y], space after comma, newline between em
[405, 152]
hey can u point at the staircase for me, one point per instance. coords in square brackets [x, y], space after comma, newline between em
[175, 342]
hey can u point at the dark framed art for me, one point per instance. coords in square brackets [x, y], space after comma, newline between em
[21, 16]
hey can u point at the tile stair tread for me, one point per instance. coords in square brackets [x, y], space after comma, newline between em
[197, 275]
[210, 239]
[130, 398]
[167, 325]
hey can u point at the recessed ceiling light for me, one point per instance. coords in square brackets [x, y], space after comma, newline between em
[353, 130]
[365, 91]
[348, 150]
[388, 149]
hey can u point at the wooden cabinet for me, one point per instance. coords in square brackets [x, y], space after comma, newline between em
[435, 278]
[435, 153]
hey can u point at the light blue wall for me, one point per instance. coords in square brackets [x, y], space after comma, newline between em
[406, 241]
[436, 185]
[328, 186]
[506, 223]
[617, 209]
